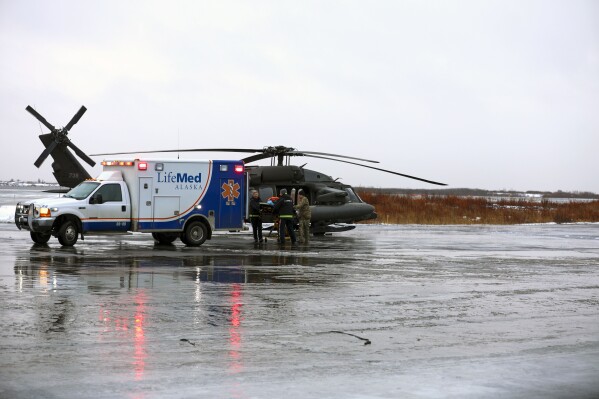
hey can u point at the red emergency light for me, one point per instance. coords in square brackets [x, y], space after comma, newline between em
[238, 168]
[142, 166]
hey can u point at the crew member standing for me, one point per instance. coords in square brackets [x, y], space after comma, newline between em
[284, 208]
[304, 214]
[255, 216]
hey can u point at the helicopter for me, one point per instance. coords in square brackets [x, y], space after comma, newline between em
[67, 170]
[335, 206]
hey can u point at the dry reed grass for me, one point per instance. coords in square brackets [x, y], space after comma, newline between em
[431, 209]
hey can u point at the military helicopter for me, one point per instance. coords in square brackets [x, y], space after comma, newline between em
[335, 206]
[67, 170]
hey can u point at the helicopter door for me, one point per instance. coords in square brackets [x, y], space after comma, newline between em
[266, 192]
[230, 212]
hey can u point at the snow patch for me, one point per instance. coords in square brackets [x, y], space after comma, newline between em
[7, 214]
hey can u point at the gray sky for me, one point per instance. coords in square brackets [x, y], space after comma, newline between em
[478, 94]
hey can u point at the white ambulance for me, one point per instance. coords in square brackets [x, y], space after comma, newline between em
[169, 198]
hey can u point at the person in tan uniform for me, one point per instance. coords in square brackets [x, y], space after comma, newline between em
[304, 215]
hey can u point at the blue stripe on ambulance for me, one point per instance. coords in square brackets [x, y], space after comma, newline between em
[106, 225]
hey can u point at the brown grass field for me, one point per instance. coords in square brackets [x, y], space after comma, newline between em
[433, 209]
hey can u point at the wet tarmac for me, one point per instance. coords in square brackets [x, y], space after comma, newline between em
[378, 312]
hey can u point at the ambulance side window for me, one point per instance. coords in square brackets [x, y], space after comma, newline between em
[110, 193]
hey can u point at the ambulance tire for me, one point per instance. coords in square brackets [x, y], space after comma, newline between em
[165, 238]
[40, 238]
[195, 234]
[68, 233]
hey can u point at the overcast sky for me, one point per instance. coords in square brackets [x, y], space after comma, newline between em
[477, 94]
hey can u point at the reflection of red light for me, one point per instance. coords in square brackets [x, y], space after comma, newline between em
[139, 338]
[234, 332]
[236, 315]
[128, 327]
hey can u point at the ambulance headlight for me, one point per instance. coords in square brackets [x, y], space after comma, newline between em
[44, 211]
[198, 207]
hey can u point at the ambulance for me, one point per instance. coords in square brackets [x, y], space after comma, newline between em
[168, 198]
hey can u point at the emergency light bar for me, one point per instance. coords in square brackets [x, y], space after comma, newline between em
[118, 163]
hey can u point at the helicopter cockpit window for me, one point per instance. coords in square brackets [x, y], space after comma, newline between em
[352, 195]
[266, 193]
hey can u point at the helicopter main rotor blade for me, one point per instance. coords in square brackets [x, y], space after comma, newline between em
[263, 153]
[81, 154]
[40, 118]
[256, 157]
[45, 154]
[184, 150]
[382, 170]
[75, 118]
[308, 153]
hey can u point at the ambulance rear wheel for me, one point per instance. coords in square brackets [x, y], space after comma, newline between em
[67, 233]
[195, 234]
[39, 238]
[165, 238]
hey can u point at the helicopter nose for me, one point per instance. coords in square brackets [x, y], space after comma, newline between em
[362, 211]
[369, 212]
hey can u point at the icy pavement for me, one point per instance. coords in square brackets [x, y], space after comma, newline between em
[379, 312]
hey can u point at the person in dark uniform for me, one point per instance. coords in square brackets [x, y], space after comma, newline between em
[284, 208]
[255, 216]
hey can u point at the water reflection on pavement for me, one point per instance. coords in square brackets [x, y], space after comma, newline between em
[450, 311]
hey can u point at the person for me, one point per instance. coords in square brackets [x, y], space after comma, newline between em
[255, 216]
[284, 208]
[304, 215]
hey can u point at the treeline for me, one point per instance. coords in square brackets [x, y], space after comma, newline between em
[474, 192]
[452, 209]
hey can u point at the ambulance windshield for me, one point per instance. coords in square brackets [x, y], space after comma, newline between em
[82, 190]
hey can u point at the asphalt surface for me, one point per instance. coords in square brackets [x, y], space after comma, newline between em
[379, 312]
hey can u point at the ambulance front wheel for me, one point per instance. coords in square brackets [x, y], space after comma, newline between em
[67, 233]
[195, 234]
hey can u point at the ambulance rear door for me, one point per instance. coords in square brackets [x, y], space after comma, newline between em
[231, 204]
